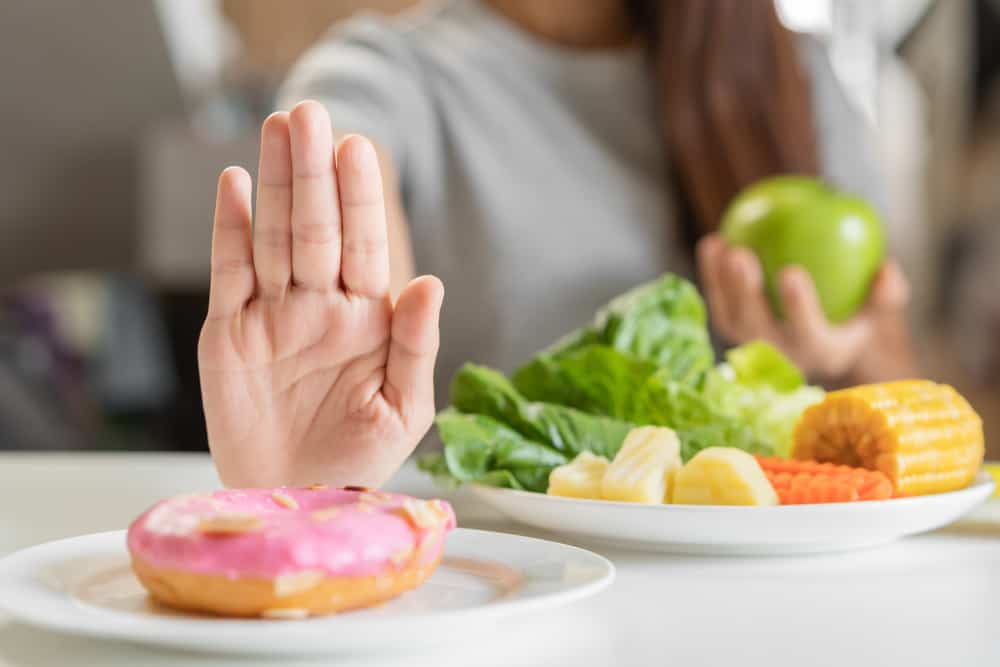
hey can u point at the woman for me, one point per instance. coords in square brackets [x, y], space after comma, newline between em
[543, 157]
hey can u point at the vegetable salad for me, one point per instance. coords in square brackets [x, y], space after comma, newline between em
[645, 359]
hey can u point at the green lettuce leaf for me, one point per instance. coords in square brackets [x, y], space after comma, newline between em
[435, 465]
[484, 391]
[698, 421]
[592, 378]
[662, 322]
[763, 390]
[758, 363]
[602, 380]
[774, 417]
[656, 327]
[480, 449]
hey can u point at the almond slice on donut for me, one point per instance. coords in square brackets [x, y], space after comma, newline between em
[230, 523]
[377, 498]
[424, 514]
[285, 614]
[297, 582]
[285, 500]
[316, 487]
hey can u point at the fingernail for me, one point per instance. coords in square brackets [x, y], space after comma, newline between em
[361, 154]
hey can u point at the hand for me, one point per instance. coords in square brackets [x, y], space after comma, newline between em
[871, 346]
[309, 373]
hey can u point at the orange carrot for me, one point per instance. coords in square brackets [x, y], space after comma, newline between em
[804, 482]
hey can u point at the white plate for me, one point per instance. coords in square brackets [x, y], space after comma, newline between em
[721, 530]
[83, 585]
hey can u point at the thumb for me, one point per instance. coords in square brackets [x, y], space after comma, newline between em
[409, 373]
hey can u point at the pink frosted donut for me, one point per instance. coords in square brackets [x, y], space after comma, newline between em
[286, 553]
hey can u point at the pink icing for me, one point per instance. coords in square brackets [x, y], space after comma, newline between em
[368, 533]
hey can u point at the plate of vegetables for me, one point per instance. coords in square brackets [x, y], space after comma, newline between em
[630, 431]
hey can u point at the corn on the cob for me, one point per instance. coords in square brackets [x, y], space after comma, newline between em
[643, 469]
[580, 478]
[801, 482]
[723, 476]
[924, 436]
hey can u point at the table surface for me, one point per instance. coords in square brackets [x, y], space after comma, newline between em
[928, 600]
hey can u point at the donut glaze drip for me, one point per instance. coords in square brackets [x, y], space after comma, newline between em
[268, 533]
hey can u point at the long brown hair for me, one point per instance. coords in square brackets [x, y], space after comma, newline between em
[733, 95]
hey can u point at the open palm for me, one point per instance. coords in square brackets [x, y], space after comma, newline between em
[309, 372]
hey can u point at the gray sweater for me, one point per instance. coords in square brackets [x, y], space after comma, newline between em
[532, 176]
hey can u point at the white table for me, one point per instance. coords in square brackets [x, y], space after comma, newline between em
[931, 600]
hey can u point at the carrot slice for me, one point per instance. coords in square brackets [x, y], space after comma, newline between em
[808, 482]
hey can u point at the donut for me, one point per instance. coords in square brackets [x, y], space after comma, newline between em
[287, 552]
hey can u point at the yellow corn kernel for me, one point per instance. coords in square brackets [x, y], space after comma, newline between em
[924, 436]
[723, 476]
[643, 470]
[993, 470]
[580, 478]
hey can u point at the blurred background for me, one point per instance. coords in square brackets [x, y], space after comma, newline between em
[119, 114]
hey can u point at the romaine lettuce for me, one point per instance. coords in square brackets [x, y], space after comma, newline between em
[484, 391]
[481, 449]
[764, 390]
[592, 378]
[645, 359]
[662, 322]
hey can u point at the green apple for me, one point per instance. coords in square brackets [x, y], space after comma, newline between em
[800, 221]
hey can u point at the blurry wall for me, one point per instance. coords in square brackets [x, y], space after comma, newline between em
[86, 86]
[81, 81]
[941, 56]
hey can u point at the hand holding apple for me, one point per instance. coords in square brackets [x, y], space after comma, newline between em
[870, 346]
[800, 221]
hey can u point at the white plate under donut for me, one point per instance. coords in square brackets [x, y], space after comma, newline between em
[83, 585]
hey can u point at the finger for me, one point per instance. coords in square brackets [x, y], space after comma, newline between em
[731, 281]
[232, 281]
[409, 373]
[365, 254]
[272, 234]
[752, 316]
[710, 252]
[829, 349]
[315, 211]
[804, 316]
[890, 290]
